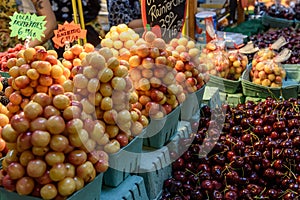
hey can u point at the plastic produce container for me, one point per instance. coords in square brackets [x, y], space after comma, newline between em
[224, 85]
[124, 162]
[160, 131]
[211, 97]
[155, 168]
[192, 104]
[91, 191]
[184, 131]
[289, 87]
[293, 70]
[276, 22]
[132, 188]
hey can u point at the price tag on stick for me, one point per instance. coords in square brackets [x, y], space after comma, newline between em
[27, 25]
[68, 32]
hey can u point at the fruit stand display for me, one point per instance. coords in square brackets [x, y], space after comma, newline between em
[72, 126]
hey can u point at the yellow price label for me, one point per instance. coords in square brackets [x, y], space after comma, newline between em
[27, 25]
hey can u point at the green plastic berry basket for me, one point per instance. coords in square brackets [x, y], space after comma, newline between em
[160, 131]
[293, 70]
[91, 191]
[124, 162]
[192, 104]
[224, 85]
[132, 188]
[289, 89]
[155, 168]
[275, 22]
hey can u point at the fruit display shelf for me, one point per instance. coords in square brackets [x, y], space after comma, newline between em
[124, 162]
[192, 104]
[91, 191]
[132, 188]
[160, 131]
[288, 90]
[155, 168]
[275, 22]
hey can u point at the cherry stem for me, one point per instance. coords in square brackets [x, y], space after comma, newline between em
[290, 171]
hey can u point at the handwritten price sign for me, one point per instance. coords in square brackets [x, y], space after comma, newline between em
[166, 14]
[24, 25]
[68, 32]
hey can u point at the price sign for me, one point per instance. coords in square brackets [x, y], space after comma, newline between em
[167, 15]
[27, 25]
[68, 32]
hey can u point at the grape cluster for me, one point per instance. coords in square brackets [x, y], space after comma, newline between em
[255, 156]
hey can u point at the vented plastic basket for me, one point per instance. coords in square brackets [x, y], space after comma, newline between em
[155, 168]
[91, 192]
[289, 87]
[124, 162]
[160, 131]
[293, 71]
[192, 104]
[224, 85]
[276, 22]
[132, 188]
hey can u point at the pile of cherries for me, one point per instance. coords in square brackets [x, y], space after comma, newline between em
[263, 40]
[255, 155]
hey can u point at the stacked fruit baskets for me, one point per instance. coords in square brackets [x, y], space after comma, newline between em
[129, 120]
